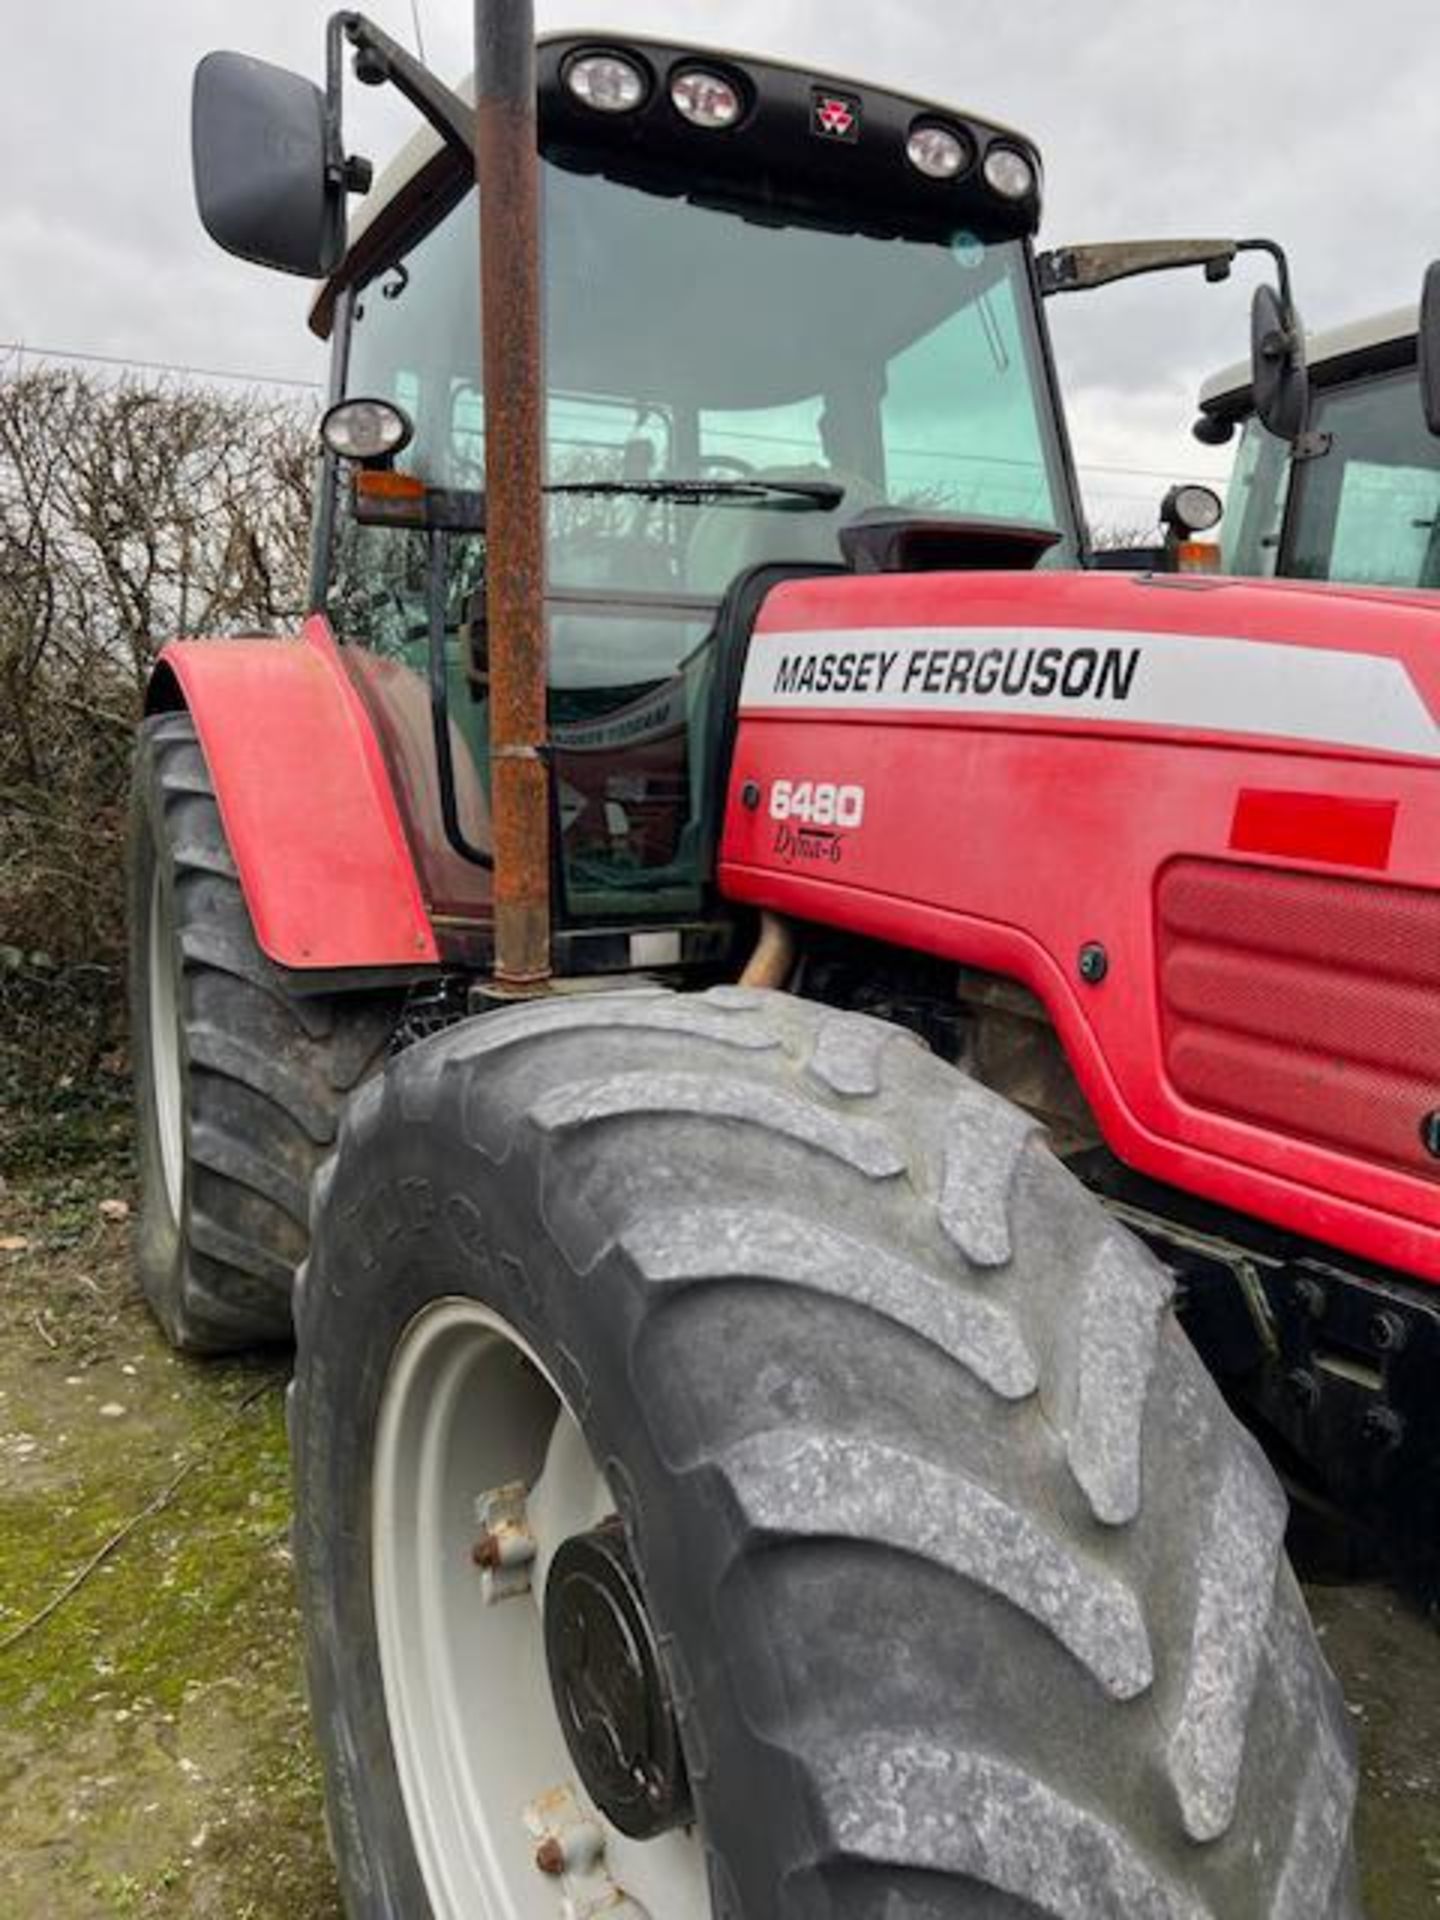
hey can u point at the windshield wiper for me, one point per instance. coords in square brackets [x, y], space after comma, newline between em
[826, 494]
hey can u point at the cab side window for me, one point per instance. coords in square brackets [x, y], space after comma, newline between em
[1368, 509]
[413, 324]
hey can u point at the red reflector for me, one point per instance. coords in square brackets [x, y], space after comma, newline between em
[1314, 826]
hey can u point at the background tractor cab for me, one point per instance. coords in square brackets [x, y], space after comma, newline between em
[1357, 497]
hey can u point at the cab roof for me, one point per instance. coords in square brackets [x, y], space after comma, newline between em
[419, 170]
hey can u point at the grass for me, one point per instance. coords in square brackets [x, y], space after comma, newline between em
[155, 1756]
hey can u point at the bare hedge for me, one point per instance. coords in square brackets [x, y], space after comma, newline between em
[129, 514]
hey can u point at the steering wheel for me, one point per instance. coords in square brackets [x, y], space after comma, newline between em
[728, 463]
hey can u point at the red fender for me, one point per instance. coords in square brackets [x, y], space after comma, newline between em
[306, 801]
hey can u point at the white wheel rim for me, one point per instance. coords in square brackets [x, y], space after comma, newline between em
[467, 1408]
[165, 1079]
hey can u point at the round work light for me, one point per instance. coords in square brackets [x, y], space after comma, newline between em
[1009, 173]
[1191, 508]
[939, 152]
[370, 431]
[706, 99]
[608, 82]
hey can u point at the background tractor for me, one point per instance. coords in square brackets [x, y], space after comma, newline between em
[743, 1466]
[1356, 497]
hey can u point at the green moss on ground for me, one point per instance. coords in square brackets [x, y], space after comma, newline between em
[195, 1590]
[155, 1755]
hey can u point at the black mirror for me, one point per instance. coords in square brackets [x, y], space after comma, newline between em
[1427, 346]
[1277, 365]
[270, 180]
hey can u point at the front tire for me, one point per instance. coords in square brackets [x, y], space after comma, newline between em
[971, 1594]
[239, 1082]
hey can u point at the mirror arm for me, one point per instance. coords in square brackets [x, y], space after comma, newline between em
[378, 58]
[1282, 274]
[1080, 269]
[1282, 265]
[334, 93]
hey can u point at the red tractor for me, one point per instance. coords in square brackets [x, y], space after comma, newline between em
[745, 1465]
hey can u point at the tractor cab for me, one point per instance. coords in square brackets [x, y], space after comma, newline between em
[762, 322]
[774, 308]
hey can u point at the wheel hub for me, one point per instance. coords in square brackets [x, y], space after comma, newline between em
[610, 1690]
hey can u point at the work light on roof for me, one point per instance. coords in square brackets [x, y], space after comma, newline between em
[706, 99]
[939, 152]
[1009, 173]
[606, 81]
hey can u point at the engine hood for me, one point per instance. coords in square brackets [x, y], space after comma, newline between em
[1197, 819]
[1292, 664]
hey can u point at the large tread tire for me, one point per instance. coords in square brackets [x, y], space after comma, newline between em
[974, 1593]
[263, 1073]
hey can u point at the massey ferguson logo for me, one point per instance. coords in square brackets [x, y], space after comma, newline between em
[1210, 682]
[836, 115]
[976, 673]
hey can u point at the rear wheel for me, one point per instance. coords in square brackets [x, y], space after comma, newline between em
[738, 1469]
[239, 1082]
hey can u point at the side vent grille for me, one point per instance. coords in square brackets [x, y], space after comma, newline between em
[1304, 1004]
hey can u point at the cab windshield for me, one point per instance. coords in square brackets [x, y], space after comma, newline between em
[723, 390]
[1366, 509]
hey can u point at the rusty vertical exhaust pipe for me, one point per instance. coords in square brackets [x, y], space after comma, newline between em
[508, 168]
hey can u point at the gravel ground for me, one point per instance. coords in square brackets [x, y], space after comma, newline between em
[154, 1755]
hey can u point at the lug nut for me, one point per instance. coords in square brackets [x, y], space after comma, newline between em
[550, 1856]
[503, 1546]
[575, 1850]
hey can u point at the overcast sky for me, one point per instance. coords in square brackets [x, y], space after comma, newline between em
[1304, 119]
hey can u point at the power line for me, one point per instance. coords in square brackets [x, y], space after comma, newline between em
[23, 347]
[74, 356]
[1153, 473]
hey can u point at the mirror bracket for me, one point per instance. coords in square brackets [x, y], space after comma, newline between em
[379, 59]
[1312, 445]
